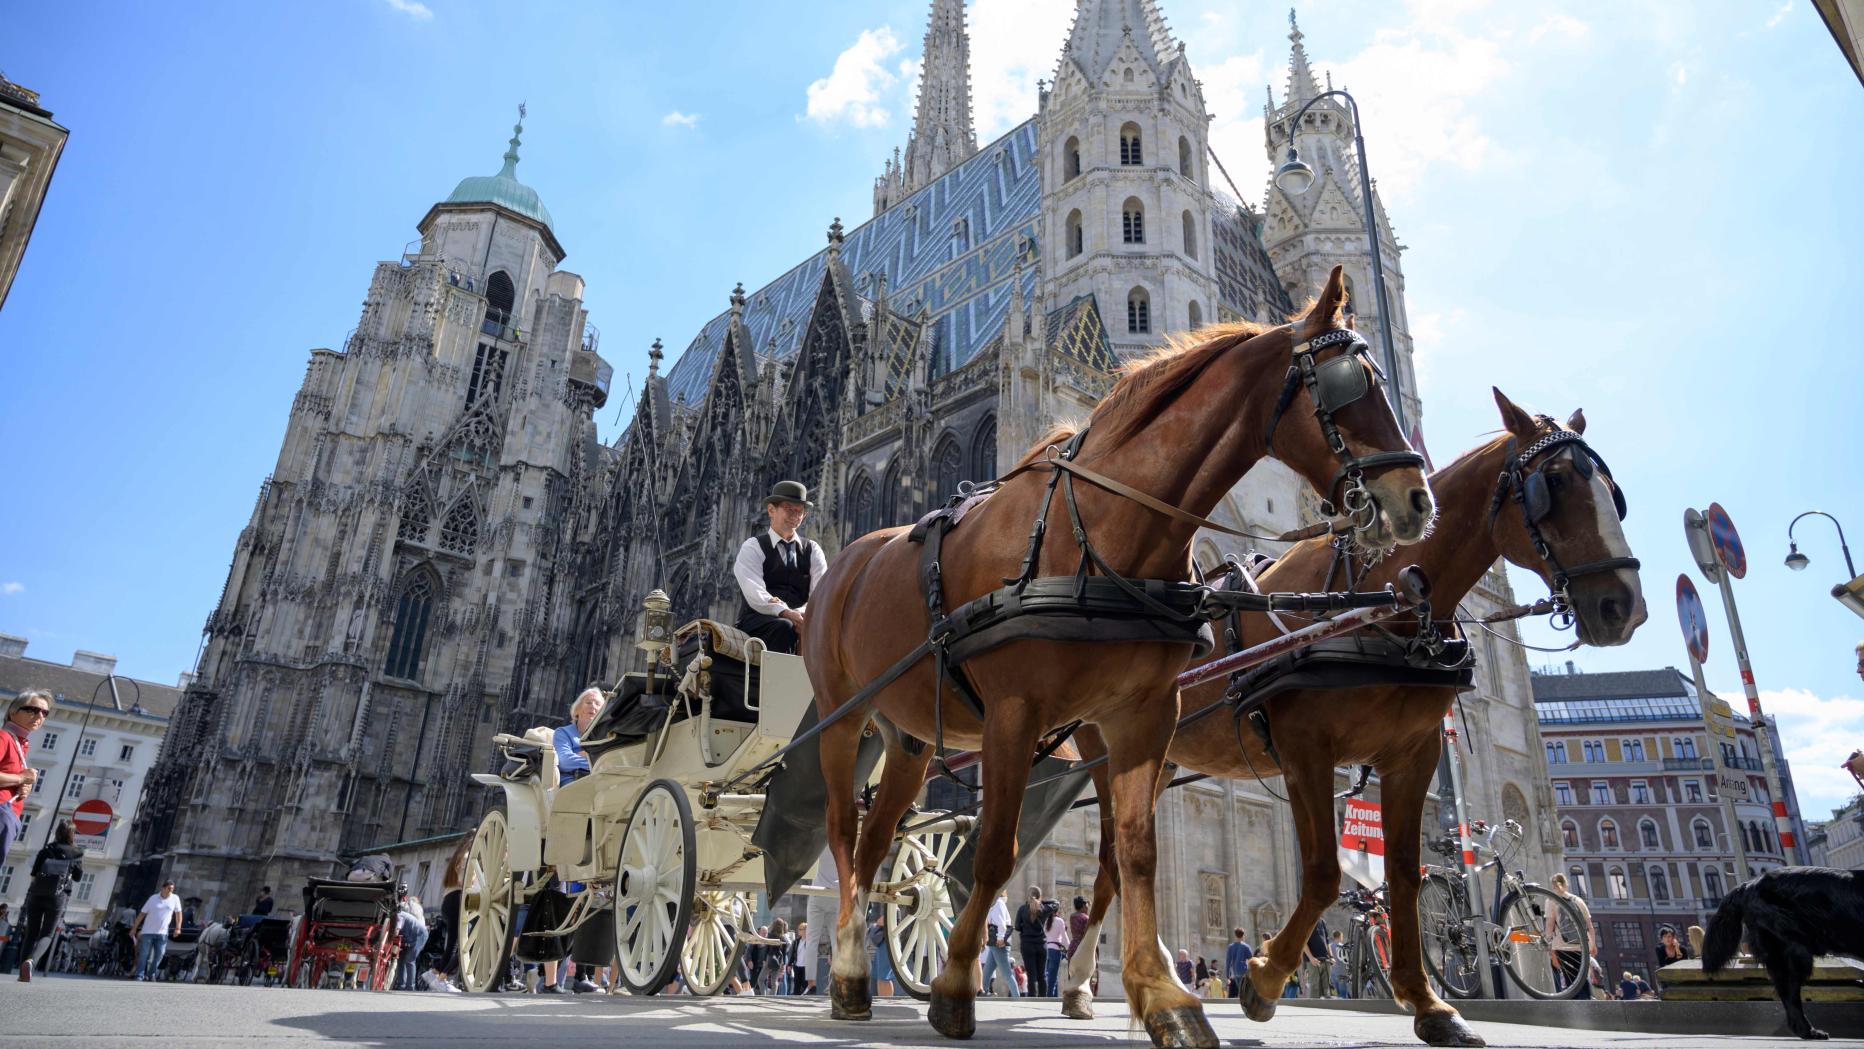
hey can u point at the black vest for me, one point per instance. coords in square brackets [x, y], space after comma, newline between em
[786, 584]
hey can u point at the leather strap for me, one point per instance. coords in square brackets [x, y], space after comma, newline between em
[1159, 506]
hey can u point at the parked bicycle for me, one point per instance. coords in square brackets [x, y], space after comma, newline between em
[1369, 957]
[1522, 930]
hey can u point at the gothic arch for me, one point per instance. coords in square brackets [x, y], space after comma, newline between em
[1138, 312]
[1185, 161]
[1569, 835]
[1071, 159]
[1195, 314]
[861, 516]
[459, 532]
[500, 296]
[984, 449]
[415, 597]
[947, 467]
[417, 513]
[1608, 834]
[1076, 239]
[1190, 234]
[1132, 221]
[894, 503]
[1647, 834]
[1131, 153]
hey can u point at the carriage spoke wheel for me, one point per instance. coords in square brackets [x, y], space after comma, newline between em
[654, 888]
[712, 945]
[918, 921]
[485, 906]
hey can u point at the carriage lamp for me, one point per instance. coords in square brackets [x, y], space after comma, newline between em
[1294, 176]
[656, 633]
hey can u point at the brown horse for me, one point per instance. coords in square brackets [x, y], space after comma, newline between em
[1398, 729]
[1182, 427]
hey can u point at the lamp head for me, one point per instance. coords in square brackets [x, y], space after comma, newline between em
[1796, 560]
[1294, 177]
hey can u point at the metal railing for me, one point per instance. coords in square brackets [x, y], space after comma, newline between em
[1687, 764]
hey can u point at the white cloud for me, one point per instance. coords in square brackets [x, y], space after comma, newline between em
[1679, 73]
[1563, 26]
[679, 119]
[1780, 15]
[10, 589]
[1014, 43]
[1233, 94]
[412, 8]
[852, 92]
[1818, 735]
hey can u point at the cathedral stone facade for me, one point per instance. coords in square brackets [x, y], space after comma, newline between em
[445, 550]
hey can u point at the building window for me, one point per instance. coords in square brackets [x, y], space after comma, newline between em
[127, 753]
[1071, 159]
[1640, 792]
[1184, 157]
[1130, 153]
[1132, 221]
[1556, 753]
[1608, 834]
[1647, 834]
[1190, 236]
[984, 449]
[1712, 886]
[1077, 238]
[1595, 750]
[1195, 314]
[82, 891]
[861, 505]
[1563, 793]
[460, 531]
[1580, 883]
[417, 513]
[1705, 838]
[1692, 791]
[6, 880]
[500, 295]
[412, 611]
[947, 469]
[87, 746]
[894, 507]
[1629, 934]
[1634, 750]
[76, 788]
[1659, 885]
[1214, 908]
[1569, 836]
[116, 790]
[48, 742]
[1601, 793]
[488, 374]
[1138, 312]
[1685, 746]
[1616, 884]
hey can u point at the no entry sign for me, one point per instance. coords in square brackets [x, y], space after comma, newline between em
[1694, 620]
[92, 819]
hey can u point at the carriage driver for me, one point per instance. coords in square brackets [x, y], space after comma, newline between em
[776, 568]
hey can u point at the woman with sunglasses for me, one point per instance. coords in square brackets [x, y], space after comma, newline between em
[24, 715]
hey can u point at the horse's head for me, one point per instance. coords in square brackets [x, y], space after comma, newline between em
[1556, 513]
[1334, 427]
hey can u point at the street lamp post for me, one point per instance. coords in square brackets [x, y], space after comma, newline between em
[1798, 561]
[1295, 177]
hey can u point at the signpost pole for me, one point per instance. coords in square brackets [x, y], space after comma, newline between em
[1466, 855]
[1728, 802]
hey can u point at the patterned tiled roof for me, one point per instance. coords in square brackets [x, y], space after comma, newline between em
[961, 277]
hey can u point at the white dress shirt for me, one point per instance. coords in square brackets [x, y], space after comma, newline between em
[749, 568]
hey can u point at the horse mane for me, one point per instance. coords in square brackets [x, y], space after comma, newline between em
[1152, 382]
[1054, 436]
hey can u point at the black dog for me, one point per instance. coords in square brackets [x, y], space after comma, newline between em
[1791, 915]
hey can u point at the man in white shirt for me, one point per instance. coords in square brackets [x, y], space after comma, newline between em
[160, 919]
[776, 570]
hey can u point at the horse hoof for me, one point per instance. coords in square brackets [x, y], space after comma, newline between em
[952, 1017]
[1446, 1029]
[1183, 1027]
[848, 998]
[1256, 1007]
[1077, 1005]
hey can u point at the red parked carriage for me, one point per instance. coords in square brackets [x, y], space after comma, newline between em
[346, 924]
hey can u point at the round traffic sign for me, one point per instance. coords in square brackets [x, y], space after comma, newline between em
[92, 818]
[1727, 541]
[1694, 620]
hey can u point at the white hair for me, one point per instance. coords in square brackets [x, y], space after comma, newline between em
[601, 700]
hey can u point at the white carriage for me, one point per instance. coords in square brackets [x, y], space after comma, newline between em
[656, 842]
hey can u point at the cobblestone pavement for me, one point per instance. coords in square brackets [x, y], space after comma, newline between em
[56, 1011]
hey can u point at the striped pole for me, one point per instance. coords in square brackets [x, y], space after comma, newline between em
[1763, 736]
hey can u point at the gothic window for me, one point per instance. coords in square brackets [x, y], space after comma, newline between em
[861, 517]
[1647, 833]
[1608, 834]
[1196, 316]
[488, 374]
[1130, 154]
[1581, 884]
[984, 449]
[1071, 159]
[1138, 312]
[412, 610]
[1184, 157]
[460, 531]
[947, 469]
[417, 515]
[893, 502]
[1659, 885]
[1076, 239]
[1705, 837]
[500, 295]
[1712, 886]
[1133, 221]
[1615, 882]
[1569, 835]
[1190, 236]
[1634, 750]
[1128, 78]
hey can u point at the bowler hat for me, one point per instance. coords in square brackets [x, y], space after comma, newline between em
[789, 492]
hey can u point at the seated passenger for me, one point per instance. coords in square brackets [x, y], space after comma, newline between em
[775, 570]
[572, 760]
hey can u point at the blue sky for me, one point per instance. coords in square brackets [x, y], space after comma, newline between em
[1648, 210]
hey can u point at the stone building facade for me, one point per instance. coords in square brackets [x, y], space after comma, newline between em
[30, 145]
[401, 565]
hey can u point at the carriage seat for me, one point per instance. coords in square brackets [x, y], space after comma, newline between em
[327, 901]
[732, 661]
[631, 714]
[532, 754]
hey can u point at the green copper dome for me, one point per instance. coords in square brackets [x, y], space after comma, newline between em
[504, 189]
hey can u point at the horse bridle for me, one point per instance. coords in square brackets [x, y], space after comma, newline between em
[1534, 491]
[1333, 385]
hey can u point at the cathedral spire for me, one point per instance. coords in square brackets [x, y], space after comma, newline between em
[1102, 27]
[943, 136]
[510, 170]
[1301, 86]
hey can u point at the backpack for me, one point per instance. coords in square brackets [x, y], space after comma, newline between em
[54, 877]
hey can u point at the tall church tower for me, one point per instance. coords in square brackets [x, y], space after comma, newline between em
[400, 567]
[943, 136]
[1125, 201]
[1307, 234]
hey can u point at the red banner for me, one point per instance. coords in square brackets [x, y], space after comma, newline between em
[1362, 843]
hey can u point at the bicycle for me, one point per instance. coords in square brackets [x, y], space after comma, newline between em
[1369, 960]
[1526, 931]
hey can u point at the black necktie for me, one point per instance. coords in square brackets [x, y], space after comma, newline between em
[789, 552]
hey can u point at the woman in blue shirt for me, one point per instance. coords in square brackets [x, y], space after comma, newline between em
[572, 765]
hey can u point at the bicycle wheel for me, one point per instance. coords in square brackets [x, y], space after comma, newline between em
[1449, 943]
[1372, 961]
[1533, 920]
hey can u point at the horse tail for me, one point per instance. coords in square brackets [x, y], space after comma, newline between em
[1724, 935]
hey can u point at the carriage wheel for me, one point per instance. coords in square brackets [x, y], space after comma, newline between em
[297, 966]
[485, 907]
[248, 964]
[712, 946]
[654, 887]
[918, 917]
